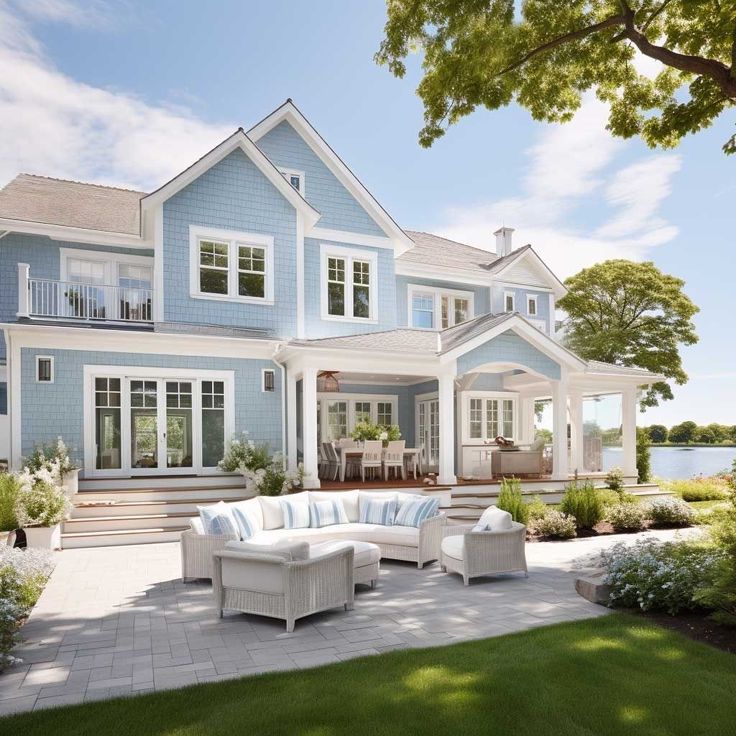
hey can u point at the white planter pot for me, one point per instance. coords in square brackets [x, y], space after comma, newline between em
[43, 537]
[71, 483]
[7, 539]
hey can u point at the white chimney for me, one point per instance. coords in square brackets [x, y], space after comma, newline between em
[503, 241]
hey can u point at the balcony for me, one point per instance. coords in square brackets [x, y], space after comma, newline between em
[70, 300]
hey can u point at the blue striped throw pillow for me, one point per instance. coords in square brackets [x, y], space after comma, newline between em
[218, 519]
[378, 511]
[296, 513]
[415, 510]
[244, 518]
[326, 513]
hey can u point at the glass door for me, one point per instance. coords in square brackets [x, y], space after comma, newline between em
[428, 432]
[144, 424]
[179, 425]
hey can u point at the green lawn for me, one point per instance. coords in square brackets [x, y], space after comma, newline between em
[610, 675]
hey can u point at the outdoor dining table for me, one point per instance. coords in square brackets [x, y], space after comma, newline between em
[345, 452]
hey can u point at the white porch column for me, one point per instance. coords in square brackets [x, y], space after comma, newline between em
[309, 426]
[24, 274]
[629, 400]
[291, 451]
[577, 451]
[526, 420]
[559, 427]
[447, 430]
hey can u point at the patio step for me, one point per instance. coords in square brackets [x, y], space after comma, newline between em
[85, 508]
[75, 540]
[124, 523]
[161, 482]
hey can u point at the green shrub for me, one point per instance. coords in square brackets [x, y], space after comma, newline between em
[511, 500]
[643, 456]
[615, 480]
[555, 525]
[609, 497]
[243, 453]
[627, 517]
[537, 509]
[670, 511]
[9, 490]
[584, 503]
[699, 489]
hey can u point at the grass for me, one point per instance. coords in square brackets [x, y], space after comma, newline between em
[698, 489]
[612, 675]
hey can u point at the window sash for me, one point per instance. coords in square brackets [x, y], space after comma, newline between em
[233, 268]
[487, 418]
[509, 302]
[531, 306]
[437, 308]
[384, 412]
[349, 287]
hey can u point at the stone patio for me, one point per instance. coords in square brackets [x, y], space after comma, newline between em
[118, 621]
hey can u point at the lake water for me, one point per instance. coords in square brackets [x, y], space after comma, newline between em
[679, 462]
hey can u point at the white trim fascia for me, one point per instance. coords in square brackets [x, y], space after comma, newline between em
[301, 330]
[73, 234]
[558, 287]
[356, 361]
[80, 338]
[159, 310]
[36, 359]
[330, 250]
[237, 140]
[350, 238]
[233, 238]
[439, 273]
[289, 112]
[519, 285]
[437, 294]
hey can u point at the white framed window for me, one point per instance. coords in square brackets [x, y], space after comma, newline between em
[296, 178]
[348, 284]
[487, 415]
[509, 301]
[337, 414]
[531, 305]
[433, 308]
[268, 380]
[230, 265]
[44, 369]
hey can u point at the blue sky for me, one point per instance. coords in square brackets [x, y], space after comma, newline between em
[130, 93]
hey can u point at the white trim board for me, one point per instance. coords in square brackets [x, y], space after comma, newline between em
[73, 234]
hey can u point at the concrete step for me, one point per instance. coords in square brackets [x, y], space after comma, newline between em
[198, 493]
[126, 523]
[86, 508]
[75, 540]
[218, 480]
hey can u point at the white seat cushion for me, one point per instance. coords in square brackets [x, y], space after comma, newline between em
[405, 536]
[494, 519]
[262, 577]
[289, 549]
[454, 546]
[364, 553]
[349, 501]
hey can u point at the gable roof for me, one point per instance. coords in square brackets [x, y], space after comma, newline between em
[74, 204]
[434, 250]
[288, 111]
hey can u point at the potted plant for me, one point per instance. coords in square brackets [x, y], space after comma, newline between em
[40, 508]
[9, 490]
[52, 464]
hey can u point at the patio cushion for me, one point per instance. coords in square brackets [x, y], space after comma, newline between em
[494, 519]
[273, 514]
[296, 511]
[415, 510]
[407, 536]
[217, 519]
[364, 553]
[349, 501]
[248, 516]
[378, 511]
[454, 546]
[262, 577]
[403, 536]
[327, 513]
[289, 549]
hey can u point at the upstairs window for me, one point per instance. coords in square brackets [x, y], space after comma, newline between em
[231, 266]
[509, 301]
[44, 369]
[269, 380]
[422, 310]
[295, 178]
[432, 308]
[348, 279]
[531, 306]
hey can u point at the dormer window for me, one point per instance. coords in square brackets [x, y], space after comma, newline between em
[531, 306]
[295, 178]
[509, 301]
[432, 308]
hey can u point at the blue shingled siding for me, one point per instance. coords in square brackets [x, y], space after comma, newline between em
[481, 295]
[508, 347]
[232, 195]
[384, 291]
[339, 210]
[520, 296]
[56, 409]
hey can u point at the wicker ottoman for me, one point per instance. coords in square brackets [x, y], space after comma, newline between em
[366, 558]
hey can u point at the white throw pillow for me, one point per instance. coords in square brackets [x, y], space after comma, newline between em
[378, 510]
[217, 519]
[416, 510]
[349, 501]
[365, 496]
[248, 516]
[327, 513]
[289, 550]
[494, 519]
[296, 511]
[273, 515]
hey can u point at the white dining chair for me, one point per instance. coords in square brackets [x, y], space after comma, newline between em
[332, 461]
[393, 457]
[372, 457]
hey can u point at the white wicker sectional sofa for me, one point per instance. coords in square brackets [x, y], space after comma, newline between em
[415, 544]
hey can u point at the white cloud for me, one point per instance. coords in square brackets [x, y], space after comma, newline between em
[571, 170]
[54, 125]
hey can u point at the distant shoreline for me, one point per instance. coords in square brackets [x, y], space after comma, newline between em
[692, 445]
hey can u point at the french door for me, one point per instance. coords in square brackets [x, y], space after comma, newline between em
[158, 425]
[428, 431]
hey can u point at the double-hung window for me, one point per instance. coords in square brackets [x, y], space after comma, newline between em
[531, 305]
[231, 266]
[348, 284]
[509, 301]
[422, 310]
[431, 308]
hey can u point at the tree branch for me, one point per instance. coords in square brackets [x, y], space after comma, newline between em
[654, 15]
[614, 20]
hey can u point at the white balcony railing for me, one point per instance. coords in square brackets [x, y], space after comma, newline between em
[53, 299]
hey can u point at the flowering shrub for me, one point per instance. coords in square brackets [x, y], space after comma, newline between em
[274, 479]
[41, 504]
[670, 511]
[537, 509]
[370, 431]
[23, 574]
[48, 463]
[652, 575]
[242, 453]
[627, 517]
[555, 524]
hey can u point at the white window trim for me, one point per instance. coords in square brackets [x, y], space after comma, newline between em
[233, 238]
[506, 295]
[50, 358]
[325, 398]
[349, 254]
[500, 395]
[532, 299]
[263, 380]
[110, 259]
[437, 293]
[302, 179]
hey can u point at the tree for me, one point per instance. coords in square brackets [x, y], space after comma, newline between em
[704, 436]
[683, 433]
[657, 433]
[630, 314]
[546, 55]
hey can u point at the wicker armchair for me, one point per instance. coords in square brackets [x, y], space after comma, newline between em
[196, 553]
[473, 554]
[268, 585]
